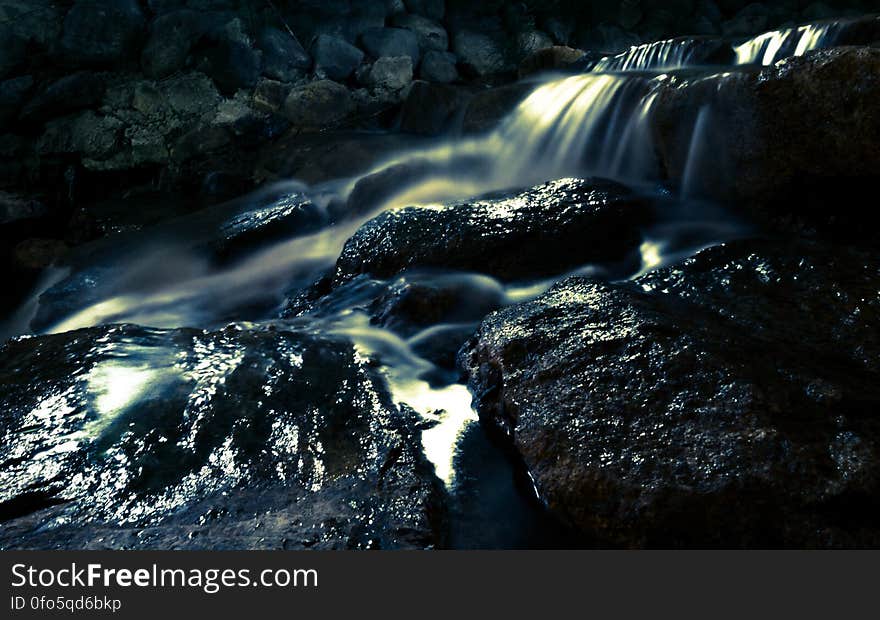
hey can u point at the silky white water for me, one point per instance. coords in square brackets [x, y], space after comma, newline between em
[594, 124]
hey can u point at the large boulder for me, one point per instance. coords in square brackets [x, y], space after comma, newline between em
[76, 91]
[539, 232]
[102, 32]
[780, 133]
[335, 58]
[124, 437]
[727, 401]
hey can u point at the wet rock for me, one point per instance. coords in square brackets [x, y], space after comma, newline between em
[430, 108]
[488, 107]
[318, 104]
[479, 53]
[430, 34]
[392, 42]
[172, 37]
[284, 58]
[102, 32]
[79, 90]
[781, 133]
[377, 189]
[335, 58]
[726, 402]
[391, 73]
[254, 228]
[416, 301]
[238, 439]
[438, 67]
[539, 232]
[549, 59]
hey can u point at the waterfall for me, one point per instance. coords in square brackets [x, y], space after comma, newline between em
[658, 56]
[770, 47]
[765, 49]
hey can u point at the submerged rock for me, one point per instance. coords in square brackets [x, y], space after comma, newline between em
[729, 401]
[539, 232]
[124, 437]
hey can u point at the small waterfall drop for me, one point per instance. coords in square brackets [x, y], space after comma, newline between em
[770, 47]
[658, 56]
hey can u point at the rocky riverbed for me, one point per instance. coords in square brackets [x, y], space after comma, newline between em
[355, 275]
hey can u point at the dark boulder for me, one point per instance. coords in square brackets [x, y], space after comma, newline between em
[801, 124]
[102, 32]
[539, 232]
[728, 401]
[284, 59]
[430, 109]
[438, 67]
[334, 58]
[240, 439]
[228, 57]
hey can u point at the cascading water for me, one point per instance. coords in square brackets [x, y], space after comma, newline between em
[659, 56]
[765, 49]
[595, 124]
[772, 46]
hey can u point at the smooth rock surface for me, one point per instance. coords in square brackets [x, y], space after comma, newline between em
[236, 439]
[726, 402]
[542, 231]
